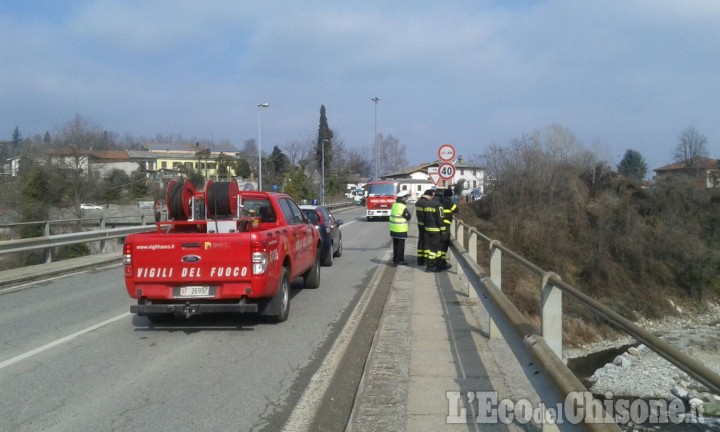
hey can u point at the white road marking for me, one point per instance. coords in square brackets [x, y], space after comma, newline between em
[61, 341]
[309, 403]
[35, 282]
[347, 223]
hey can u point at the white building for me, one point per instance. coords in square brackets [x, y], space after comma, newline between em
[417, 179]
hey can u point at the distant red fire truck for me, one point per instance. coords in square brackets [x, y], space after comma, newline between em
[380, 196]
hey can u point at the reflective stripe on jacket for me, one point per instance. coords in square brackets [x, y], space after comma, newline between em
[449, 207]
[420, 211]
[398, 223]
[433, 220]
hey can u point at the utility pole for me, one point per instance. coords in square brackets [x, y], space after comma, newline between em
[322, 192]
[376, 100]
[260, 107]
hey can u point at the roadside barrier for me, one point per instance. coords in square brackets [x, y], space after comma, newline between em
[548, 342]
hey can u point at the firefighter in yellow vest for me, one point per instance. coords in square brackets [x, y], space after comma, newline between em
[399, 217]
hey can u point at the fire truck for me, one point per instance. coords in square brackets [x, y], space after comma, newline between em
[221, 250]
[380, 196]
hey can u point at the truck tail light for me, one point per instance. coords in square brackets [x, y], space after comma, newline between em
[259, 259]
[127, 259]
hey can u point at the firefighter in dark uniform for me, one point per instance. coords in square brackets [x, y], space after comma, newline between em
[420, 216]
[449, 208]
[433, 225]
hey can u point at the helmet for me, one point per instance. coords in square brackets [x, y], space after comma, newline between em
[402, 194]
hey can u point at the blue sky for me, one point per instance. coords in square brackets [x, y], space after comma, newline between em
[619, 74]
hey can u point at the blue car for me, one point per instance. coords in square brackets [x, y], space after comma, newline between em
[329, 228]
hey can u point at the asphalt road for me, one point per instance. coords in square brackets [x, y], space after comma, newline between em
[74, 358]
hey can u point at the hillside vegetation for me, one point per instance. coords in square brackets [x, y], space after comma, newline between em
[635, 249]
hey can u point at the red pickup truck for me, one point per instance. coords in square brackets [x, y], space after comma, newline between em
[221, 250]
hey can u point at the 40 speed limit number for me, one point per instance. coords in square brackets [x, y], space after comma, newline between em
[446, 171]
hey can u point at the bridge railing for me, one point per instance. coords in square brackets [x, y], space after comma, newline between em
[550, 290]
[94, 229]
[50, 227]
[48, 242]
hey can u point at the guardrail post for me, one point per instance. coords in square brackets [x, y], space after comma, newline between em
[460, 236]
[472, 245]
[496, 278]
[48, 251]
[102, 227]
[459, 231]
[551, 314]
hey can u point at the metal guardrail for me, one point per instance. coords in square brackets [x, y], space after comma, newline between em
[44, 243]
[340, 204]
[100, 221]
[48, 241]
[552, 289]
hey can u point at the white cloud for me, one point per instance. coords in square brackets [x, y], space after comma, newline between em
[630, 74]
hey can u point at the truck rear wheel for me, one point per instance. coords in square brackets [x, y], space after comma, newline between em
[312, 277]
[277, 308]
[284, 297]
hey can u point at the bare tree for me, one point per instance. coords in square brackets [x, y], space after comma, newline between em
[249, 148]
[80, 132]
[339, 155]
[75, 141]
[358, 162]
[299, 149]
[392, 154]
[692, 145]
[535, 168]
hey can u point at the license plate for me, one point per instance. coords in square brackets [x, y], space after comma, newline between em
[195, 291]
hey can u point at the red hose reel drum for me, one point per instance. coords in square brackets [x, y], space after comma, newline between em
[177, 198]
[221, 198]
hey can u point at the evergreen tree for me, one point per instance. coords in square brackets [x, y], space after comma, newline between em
[241, 167]
[16, 140]
[278, 165]
[138, 185]
[299, 186]
[115, 183]
[325, 136]
[224, 163]
[633, 165]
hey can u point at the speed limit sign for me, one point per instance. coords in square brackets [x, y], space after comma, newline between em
[446, 171]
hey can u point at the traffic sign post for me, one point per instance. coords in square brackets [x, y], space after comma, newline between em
[446, 169]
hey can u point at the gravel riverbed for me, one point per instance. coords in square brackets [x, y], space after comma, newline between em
[639, 373]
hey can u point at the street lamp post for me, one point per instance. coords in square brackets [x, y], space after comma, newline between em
[260, 107]
[322, 192]
[376, 100]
